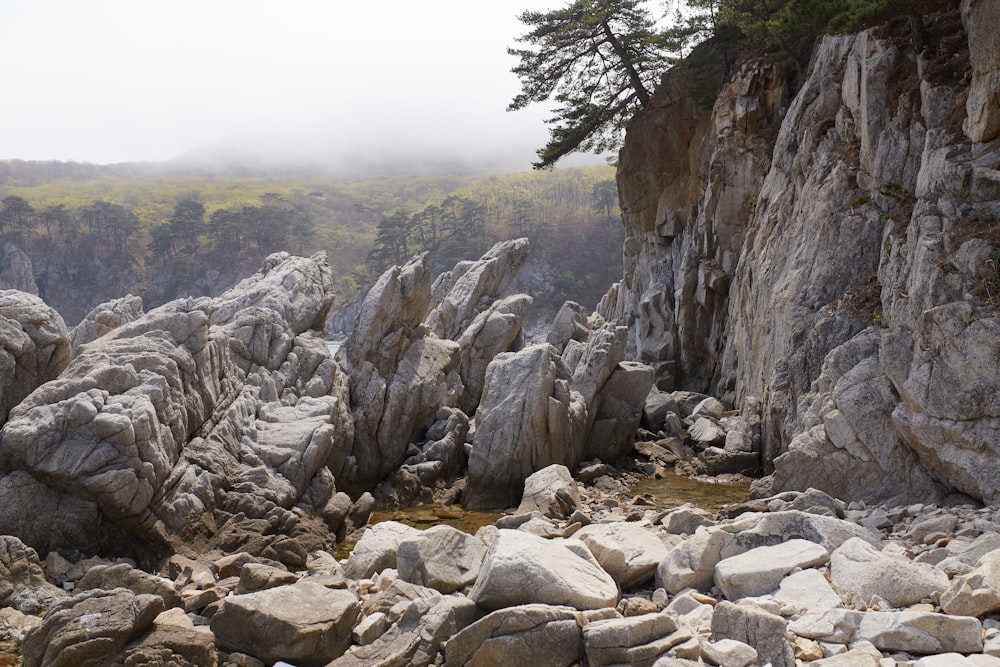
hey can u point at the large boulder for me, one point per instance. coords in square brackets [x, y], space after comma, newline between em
[442, 558]
[90, 628]
[305, 623]
[530, 635]
[521, 568]
[860, 571]
[629, 552]
[22, 582]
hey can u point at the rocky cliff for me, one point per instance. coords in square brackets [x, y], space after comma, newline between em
[826, 258]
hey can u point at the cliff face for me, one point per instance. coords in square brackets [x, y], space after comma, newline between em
[840, 288]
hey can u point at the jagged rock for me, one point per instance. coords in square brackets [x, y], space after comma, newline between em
[528, 419]
[859, 570]
[530, 635]
[35, 346]
[305, 623]
[376, 550]
[442, 558]
[399, 378]
[617, 411]
[752, 626]
[161, 422]
[417, 636]
[656, 408]
[22, 581]
[628, 552]
[89, 628]
[570, 323]
[104, 318]
[521, 568]
[760, 571]
[540, 407]
[399, 591]
[552, 491]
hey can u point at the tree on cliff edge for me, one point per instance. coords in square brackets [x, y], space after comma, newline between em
[598, 60]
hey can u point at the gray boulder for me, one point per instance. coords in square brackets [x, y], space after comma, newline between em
[859, 570]
[530, 635]
[90, 628]
[22, 581]
[442, 558]
[305, 623]
[521, 568]
[552, 491]
[763, 631]
[630, 553]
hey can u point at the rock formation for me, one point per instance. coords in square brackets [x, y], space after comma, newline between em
[826, 261]
[166, 426]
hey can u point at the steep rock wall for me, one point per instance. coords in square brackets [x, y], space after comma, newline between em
[854, 314]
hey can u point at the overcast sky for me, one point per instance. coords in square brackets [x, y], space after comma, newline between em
[109, 81]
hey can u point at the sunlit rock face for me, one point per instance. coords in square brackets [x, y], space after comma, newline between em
[825, 261]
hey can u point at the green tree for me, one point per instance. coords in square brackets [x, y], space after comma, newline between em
[16, 215]
[599, 61]
[187, 222]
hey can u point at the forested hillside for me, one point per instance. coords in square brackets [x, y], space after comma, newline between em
[98, 232]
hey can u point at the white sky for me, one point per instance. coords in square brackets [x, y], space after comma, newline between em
[121, 80]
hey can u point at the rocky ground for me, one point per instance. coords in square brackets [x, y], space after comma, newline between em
[581, 573]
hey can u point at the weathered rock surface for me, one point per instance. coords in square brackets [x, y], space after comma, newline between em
[23, 585]
[104, 318]
[551, 491]
[35, 346]
[759, 571]
[197, 409]
[628, 552]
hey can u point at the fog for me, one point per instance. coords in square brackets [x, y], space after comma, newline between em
[297, 81]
